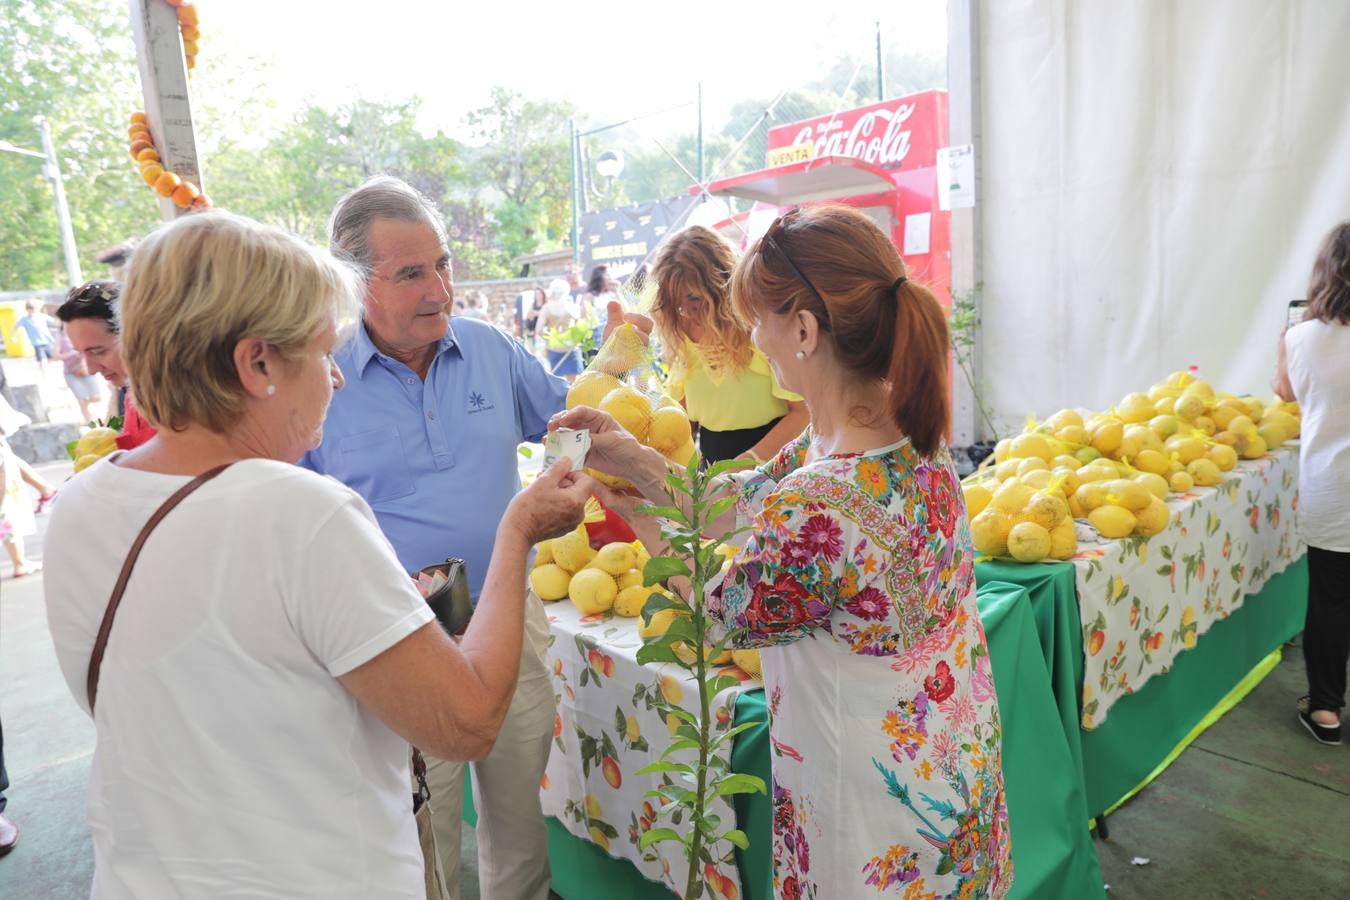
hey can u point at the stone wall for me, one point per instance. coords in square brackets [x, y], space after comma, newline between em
[501, 296]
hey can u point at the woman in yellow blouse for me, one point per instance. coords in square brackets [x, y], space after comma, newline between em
[724, 381]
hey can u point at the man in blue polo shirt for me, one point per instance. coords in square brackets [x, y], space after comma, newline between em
[426, 430]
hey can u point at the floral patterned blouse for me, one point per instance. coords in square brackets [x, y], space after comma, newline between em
[858, 581]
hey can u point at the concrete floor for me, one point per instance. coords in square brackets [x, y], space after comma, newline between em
[1253, 809]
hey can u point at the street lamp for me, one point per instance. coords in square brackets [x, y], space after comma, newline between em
[609, 164]
[51, 170]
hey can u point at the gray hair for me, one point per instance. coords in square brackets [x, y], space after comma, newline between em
[380, 197]
[558, 290]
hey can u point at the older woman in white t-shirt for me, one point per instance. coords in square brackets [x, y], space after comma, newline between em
[270, 660]
[1314, 369]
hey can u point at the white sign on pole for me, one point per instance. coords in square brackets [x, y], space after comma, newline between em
[956, 177]
[918, 229]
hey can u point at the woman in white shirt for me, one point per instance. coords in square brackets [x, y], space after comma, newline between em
[270, 661]
[557, 315]
[1314, 369]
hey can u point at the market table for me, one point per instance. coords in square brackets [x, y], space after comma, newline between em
[1229, 569]
[1052, 851]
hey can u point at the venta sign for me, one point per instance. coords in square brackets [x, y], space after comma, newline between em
[894, 134]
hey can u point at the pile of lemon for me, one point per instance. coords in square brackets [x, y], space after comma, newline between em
[596, 581]
[1025, 518]
[1116, 469]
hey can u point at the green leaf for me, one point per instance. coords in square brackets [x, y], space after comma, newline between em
[737, 837]
[733, 731]
[720, 507]
[659, 568]
[720, 683]
[727, 465]
[526, 451]
[675, 482]
[656, 651]
[657, 602]
[683, 743]
[665, 765]
[656, 835]
[70, 448]
[739, 783]
[709, 824]
[664, 512]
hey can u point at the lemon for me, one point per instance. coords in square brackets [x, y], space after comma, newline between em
[1065, 461]
[1272, 434]
[631, 599]
[1242, 425]
[1201, 389]
[1190, 406]
[1155, 484]
[1026, 446]
[86, 461]
[669, 430]
[989, 530]
[1002, 450]
[1032, 464]
[1181, 482]
[543, 553]
[1130, 494]
[549, 581]
[573, 550]
[1112, 521]
[614, 481]
[96, 442]
[592, 591]
[1151, 461]
[1223, 456]
[1090, 496]
[1067, 478]
[1086, 455]
[1205, 472]
[630, 408]
[590, 388]
[660, 622]
[1074, 435]
[1255, 408]
[748, 661]
[1165, 406]
[631, 578]
[1206, 424]
[1252, 448]
[1153, 519]
[1106, 437]
[1064, 418]
[977, 498]
[1186, 448]
[616, 558]
[1063, 540]
[1046, 509]
[682, 454]
[1076, 508]
[623, 351]
[1223, 414]
[593, 808]
[1010, 497]
[671, 689]
[1135, 407]
[1029, 542]
[1037, 480]
[643, 556]
[1007, 469]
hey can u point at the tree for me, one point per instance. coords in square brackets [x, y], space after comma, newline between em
[523, 155]
[75, 65]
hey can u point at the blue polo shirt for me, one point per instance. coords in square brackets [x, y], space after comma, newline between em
[436, 459]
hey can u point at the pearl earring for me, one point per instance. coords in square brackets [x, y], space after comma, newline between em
[271, 390]
[801, 354]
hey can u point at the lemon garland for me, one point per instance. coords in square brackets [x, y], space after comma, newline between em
[165, 183]
[189, 28]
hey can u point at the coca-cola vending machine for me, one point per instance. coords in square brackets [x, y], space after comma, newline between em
[881, 159]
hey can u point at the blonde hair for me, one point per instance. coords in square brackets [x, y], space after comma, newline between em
[198, 286]
[699, 261]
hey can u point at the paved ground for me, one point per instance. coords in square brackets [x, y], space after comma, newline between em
[1253, 809]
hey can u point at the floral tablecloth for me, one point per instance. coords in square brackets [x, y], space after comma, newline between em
[1143, 601]
[612, 721]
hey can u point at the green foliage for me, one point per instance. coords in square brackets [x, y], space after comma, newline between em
[579, 335]
[963, 326]
[703, 493]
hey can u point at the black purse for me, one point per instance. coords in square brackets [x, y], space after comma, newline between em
[450, 602]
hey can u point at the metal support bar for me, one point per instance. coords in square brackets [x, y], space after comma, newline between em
[53, 173]
[164, 84]
[963, 127]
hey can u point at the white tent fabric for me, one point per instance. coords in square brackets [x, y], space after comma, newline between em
[1155, 179]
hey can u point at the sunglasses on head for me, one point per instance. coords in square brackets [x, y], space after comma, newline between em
[770, 239]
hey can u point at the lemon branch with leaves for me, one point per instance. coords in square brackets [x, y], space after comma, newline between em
[688, 788]
[963, 325]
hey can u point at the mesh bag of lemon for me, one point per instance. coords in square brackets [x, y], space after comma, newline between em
[1116, 469]
[624, 381]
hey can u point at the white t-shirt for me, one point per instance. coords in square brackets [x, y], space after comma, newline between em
[1318, 357]
[230, 761]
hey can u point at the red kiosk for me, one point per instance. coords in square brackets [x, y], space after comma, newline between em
[881, 159]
